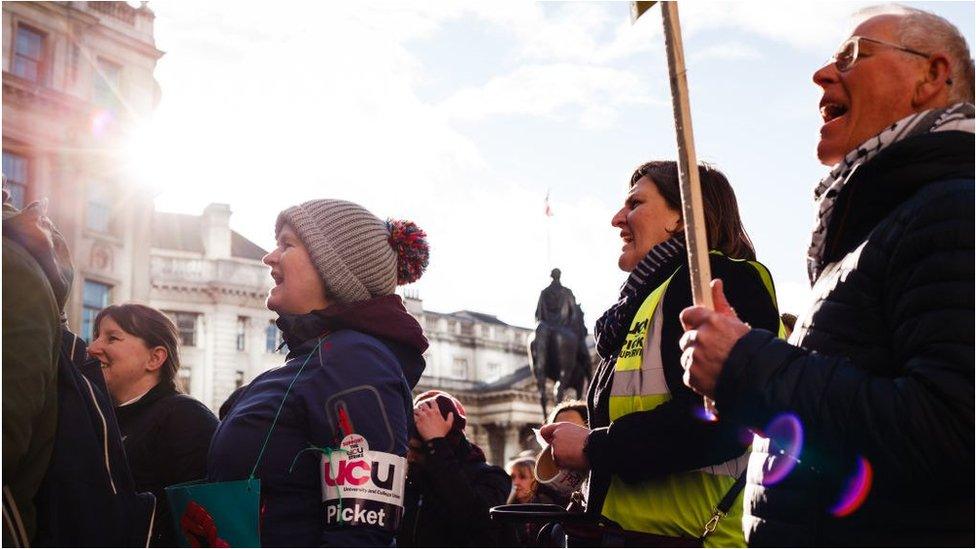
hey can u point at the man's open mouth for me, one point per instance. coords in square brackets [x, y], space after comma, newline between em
[832, 111]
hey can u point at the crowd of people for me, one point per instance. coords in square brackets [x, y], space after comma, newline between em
[857, 430]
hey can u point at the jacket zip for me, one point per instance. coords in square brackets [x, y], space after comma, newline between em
[91, 391]
[11, 516]
[152, 521]
[108, 466]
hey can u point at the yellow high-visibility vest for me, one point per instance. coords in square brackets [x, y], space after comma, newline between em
[677, 505]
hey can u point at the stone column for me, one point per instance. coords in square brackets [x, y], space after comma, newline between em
[479, 436]
[513, 444]
[208, 370]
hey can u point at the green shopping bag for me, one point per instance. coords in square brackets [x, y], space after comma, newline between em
[224, 514]
[217, 514]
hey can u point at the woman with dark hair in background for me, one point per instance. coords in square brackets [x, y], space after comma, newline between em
[166, 434]
[659, 467]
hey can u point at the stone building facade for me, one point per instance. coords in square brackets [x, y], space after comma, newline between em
[77, 77]
[210, 280]
[484, 363]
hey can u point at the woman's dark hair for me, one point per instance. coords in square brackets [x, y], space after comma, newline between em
[154, 328]
[723, 225]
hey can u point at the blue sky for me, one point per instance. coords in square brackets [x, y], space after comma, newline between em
[462, 116]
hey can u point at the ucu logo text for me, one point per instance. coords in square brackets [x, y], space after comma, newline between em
[358, 472]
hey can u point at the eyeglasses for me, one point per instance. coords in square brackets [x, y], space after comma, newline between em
[850, 51]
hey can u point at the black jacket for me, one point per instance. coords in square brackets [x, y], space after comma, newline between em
[448, 498]
[166, 437]
[883, 369]
[672, 437]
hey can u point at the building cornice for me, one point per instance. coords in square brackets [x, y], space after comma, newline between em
[214, 292]
[16, 88]
[148, 49]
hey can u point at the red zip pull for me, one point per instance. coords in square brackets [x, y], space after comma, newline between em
[344, 424]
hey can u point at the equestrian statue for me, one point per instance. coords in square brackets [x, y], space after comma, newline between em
[557, 349]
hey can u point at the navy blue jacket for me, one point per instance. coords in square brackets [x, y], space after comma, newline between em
[88, 497]
[364, 358]
[882, 373]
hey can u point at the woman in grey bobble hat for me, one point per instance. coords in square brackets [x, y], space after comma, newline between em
[327, 432]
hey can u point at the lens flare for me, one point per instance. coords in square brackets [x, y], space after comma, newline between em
[101, 120]
[856, 491]
[704, 414]
[785, 434]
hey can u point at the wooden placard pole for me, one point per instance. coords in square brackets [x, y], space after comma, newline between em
[692, 211]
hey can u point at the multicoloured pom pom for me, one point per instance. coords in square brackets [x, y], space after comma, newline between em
[410, 244]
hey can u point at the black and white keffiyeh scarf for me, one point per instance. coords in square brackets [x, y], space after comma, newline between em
[613, 324]
[958, 117]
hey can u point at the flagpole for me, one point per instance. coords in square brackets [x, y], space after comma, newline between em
[549, 242]
[548, 232]
[692, 209]
[693, 212]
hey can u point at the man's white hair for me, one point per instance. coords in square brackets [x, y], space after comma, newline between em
[929, 33]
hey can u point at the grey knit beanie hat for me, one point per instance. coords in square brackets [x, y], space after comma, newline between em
[349, 246]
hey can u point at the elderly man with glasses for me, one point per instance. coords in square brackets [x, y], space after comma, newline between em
[864, 420]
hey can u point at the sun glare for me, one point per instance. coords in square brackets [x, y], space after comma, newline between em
[145, 155]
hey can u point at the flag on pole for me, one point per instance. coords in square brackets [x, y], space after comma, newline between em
[548, 206]
[638, 8]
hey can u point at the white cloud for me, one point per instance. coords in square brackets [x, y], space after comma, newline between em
[325, 107]
[593, 94]
[811, 26]
[724, 52]
[580, 32]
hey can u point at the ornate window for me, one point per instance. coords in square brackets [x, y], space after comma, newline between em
[107, 81]
[273, 338]
[96, 297]
[15, 170]
[186, 325]
[28, 61]
[184, 377]
[460, 368]
[242, 322]
[98, 214]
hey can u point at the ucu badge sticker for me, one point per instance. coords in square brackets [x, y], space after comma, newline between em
[361, 486]
[359, 472]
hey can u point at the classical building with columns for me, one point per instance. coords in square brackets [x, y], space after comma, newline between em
[484, 363]
[77, 76]
[210, 280]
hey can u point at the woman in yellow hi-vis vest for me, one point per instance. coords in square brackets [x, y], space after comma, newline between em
[660, 468]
